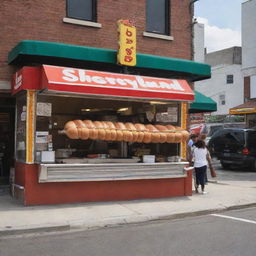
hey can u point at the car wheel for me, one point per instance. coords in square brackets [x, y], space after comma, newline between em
[224, 165]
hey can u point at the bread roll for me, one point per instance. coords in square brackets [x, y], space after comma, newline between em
[178, 137]
[72, 133]
[151, 128]
[101, 130]
[93, 131]
[155, 134]
[112, 130]
[163, 135]
[185, 135]
[108, 135]
[119, 135]
[127, 136]
[161, 127]
[170, 127]
[181, 135]
[147, 137]
[170, 137]
[69, 124]
[79, 125]
[110, 125]
[132, 128]
[89, 124]
[84, 133]
[140, 129]
[178, 128]
[120, 126]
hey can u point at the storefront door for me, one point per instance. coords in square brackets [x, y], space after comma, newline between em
[7, 124]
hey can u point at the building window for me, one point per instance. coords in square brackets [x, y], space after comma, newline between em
[82, 9]
[222, 99]
[230, 79]
[253, 87]
[157, 16]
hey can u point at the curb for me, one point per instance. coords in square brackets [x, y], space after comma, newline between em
[115, 222]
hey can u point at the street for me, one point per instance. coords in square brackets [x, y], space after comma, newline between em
[221, 233]
[203, 235]
[233, 176]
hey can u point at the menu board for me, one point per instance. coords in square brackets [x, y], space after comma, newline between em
[44, 109]
[171, 116]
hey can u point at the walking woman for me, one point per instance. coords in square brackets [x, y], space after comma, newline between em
[201, 156]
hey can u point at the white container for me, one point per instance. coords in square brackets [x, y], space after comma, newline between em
[149, 159]
[48, 156]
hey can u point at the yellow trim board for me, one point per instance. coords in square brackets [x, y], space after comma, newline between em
[30, 124]
[184, 112]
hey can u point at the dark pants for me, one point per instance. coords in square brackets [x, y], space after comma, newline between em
[200, 175]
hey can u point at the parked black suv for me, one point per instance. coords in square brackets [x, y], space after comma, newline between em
[234, 146]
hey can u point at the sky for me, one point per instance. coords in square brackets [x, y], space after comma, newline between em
[222, 19]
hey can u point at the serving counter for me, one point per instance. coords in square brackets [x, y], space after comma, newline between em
[110, 172]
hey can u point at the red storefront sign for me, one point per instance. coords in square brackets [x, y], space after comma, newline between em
[28, 78]
[73, 80]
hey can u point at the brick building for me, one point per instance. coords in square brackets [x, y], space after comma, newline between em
[83, 34]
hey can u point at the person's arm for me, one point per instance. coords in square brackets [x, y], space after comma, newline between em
[209, 160]
[208, 157]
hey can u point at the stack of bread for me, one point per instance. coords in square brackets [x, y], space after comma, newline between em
[129, 132]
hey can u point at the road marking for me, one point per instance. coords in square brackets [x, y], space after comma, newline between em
[234, 218]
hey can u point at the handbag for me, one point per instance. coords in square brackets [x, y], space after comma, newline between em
[212, 171]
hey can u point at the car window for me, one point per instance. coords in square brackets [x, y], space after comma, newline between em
[213, 129]
[251, 139]
[238, 137]
[227, 139]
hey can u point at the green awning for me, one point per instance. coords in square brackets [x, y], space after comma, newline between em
[202, 103]
[41, 52]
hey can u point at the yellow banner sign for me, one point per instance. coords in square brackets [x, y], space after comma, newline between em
[239, 111]
[127, 43]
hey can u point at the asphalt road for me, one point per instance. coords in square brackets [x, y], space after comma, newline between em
[230, 233]
[233, 175]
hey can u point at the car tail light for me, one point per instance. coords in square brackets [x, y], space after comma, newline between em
[245, 151]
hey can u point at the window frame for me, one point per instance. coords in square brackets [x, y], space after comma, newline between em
[94, 12]
[167, 19]
[222, 99]
[228, 79]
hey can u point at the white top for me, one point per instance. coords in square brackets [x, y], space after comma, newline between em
[190, 143]
[199, 155]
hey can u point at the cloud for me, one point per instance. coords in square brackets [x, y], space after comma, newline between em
[219, 38]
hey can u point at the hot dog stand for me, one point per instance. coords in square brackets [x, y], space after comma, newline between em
[84, 135]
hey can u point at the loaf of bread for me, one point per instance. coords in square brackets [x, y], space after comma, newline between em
[129, 132]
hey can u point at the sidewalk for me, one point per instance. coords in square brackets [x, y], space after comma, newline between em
[15, 218]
